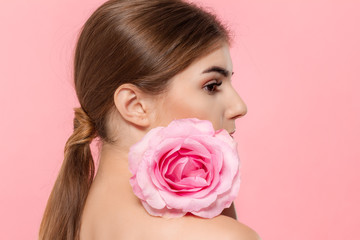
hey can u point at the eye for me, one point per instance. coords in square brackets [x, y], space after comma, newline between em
[211, 87]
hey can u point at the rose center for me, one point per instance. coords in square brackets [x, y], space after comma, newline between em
[188, 170]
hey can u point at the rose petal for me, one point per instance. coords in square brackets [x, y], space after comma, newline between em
[149, 191]
[229, 169]
[176, 169]
[186, 203]
[137, 150]
[164, 212]
[223, 201]
[187, 127]
[224, 136]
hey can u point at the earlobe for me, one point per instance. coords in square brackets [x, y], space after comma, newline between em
[131, 103]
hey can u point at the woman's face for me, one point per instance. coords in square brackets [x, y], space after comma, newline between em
[204, 91]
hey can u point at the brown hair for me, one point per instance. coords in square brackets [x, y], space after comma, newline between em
[142, 42]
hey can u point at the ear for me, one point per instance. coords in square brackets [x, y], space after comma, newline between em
[132, 104]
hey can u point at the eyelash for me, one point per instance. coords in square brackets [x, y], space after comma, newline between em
[212, 87]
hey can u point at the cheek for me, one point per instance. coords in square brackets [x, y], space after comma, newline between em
[191, 106]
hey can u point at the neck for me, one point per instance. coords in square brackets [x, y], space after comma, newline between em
[113, 175]
[113, 163]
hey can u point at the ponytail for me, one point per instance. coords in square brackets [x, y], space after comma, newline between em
[64, 208]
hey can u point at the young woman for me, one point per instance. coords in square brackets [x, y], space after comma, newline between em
[140, 64]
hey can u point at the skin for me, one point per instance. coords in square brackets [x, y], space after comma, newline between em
[112, 211]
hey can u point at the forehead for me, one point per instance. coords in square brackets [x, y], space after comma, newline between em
[218, 58]
[196, 74]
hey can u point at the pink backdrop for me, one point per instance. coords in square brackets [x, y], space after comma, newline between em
[297, 67]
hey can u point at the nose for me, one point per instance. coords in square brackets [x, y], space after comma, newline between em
[236, 106]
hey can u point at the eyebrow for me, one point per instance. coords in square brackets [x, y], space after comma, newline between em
[217, 69]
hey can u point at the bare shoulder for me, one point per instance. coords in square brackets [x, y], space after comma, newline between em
[110, 214]
[234, 230]
[221, 227]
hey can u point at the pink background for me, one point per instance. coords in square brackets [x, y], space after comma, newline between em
[297, 66]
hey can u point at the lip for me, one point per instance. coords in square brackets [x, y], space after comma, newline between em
[231, 134]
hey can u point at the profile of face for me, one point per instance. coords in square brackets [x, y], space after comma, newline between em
[203, 90]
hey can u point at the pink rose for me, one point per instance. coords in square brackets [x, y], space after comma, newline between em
[185, 167]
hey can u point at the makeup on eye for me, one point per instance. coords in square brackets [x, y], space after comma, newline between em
[217, 73]
[211, 86]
